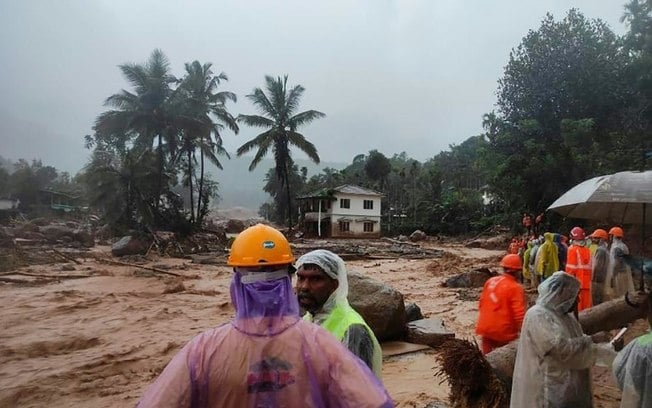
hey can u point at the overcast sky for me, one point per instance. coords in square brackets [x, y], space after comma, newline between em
[391, 75]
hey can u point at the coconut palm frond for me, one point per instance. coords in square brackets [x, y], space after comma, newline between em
[298, 140]
[256, 121]
[304, 118]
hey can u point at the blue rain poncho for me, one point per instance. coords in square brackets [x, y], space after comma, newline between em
[266, 357]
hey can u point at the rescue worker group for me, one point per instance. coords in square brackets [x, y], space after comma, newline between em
[269, 355]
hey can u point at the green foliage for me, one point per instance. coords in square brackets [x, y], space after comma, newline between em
[564, 102]
[151, 139]
[279, 119]
[276, 211]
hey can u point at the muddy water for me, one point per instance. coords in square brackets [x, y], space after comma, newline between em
[99, 341]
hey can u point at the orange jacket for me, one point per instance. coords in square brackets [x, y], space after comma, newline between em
[502, 308]
[579, 263]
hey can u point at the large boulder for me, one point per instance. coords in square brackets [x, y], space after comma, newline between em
[379, 304]
[418, 235]
[129, 245]
[471, 279]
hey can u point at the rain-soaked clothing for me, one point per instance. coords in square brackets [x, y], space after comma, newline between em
[526, 261]
[599, 273]
[579, 265]
[547, 257]
[266, 357]
[633, 371]
[338, 317]
[562, 249]
[536, 244]
[501, 311]
[554, 356]
[619, 275]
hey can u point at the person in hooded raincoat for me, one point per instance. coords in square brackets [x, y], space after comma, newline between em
[554, 356]
[267, 356]
[600, 265]
[619, 275]
[534, 278]
[562, 249]
[322, 289]
[547, 257]
[633, 369]
[526, 273]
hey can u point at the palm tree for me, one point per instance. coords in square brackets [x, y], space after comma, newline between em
[141, 117]
[277, 109]
[199, 104]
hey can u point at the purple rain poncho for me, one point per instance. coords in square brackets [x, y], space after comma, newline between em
[266, 357]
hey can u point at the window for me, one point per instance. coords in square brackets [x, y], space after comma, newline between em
[344, 226]
[368, 204]
[368, 227]
[345, 203]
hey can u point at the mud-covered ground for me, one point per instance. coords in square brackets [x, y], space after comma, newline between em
[98, 341]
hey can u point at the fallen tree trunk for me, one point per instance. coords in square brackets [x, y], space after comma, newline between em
[464, 391]
[606, 316]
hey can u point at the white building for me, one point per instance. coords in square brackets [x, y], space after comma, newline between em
[344, 211]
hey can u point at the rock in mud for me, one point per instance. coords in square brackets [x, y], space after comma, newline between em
[129, 245]
[471, 279]
[412, 312]
[430, 332]
[379, 304]
[418, 235]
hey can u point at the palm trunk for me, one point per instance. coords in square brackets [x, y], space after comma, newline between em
[201, 186]
[287, 189]
[160, 172]
[192, 203]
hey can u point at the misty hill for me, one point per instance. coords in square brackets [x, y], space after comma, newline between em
[238, 187]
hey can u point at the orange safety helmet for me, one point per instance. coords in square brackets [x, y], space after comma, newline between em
[577, 233]
[616, 232]
[600, 233]
[260, 245]
[512, 262]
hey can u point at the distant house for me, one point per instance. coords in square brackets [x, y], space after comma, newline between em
[344, 211]
[7, 204]
[59, 201]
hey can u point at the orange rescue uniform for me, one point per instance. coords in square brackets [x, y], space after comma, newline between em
[579, 264]
[502, 308]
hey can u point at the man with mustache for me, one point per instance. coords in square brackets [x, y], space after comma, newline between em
[322, 289]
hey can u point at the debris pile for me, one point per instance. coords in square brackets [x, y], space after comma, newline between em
[471, 378]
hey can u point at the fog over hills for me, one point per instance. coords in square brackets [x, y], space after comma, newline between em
[238, 187]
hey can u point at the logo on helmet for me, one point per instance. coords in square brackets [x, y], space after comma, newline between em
[269, 244]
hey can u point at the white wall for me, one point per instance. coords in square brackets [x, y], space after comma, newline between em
[357, 206]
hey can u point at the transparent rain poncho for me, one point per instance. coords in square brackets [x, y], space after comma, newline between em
[358, 338]
[633, 371]
[266, 357]
[619, 275]
[599, 272]
[554, 356]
